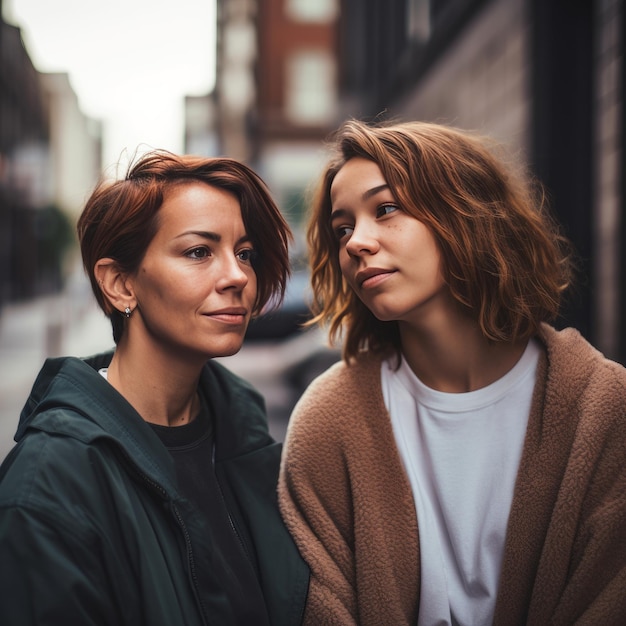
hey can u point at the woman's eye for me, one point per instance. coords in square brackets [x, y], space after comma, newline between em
[385, 209]
[247, 256]
[198, 253]
[343, 231]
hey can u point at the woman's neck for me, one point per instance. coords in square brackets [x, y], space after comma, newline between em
[162, 391]
[456, 357]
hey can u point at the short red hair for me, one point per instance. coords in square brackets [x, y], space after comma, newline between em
[120, 219]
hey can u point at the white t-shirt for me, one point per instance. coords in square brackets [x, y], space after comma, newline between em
[461, 452]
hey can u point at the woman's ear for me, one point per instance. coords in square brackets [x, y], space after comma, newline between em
[115, 286]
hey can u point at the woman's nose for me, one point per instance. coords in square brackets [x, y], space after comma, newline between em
[234, 275]
[362, 241]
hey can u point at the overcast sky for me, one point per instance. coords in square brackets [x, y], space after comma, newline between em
[131, 62]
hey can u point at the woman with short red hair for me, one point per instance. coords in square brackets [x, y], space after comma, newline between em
[142, 486]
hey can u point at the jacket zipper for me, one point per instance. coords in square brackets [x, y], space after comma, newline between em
[192, 565]
[190, 558]
[237, 534]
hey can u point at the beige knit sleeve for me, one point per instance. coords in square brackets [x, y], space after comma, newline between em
[346, 499]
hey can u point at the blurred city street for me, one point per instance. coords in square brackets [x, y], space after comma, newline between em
[71, 324]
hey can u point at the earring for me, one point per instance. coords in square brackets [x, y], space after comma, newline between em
[127, 312]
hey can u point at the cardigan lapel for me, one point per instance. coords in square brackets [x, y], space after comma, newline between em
[549, 437]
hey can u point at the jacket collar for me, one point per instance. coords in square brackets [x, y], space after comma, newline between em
[69, 386]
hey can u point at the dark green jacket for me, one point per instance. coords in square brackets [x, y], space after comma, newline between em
[93, 527]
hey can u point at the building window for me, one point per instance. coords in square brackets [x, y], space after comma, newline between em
[313, 11]
[310, 84]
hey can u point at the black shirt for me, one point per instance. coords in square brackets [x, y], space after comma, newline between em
[236, 582]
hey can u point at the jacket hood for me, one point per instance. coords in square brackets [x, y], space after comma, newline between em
[75, 384]
[70, 398]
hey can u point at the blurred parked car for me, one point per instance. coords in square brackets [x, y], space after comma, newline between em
[287, 319]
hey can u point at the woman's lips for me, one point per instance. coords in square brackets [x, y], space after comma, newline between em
[372, 276]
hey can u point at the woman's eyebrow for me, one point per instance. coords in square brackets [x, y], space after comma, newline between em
[366, 196]
[374, 190]
[337, 213]
[215, 237]
[202, 233]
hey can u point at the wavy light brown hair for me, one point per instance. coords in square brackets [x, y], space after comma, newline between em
[121, 218]
[503, 256]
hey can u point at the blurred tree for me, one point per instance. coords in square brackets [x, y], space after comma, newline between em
[55, 237]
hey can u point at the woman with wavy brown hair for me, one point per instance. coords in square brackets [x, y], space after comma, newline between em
[466, 462]
[142, 489]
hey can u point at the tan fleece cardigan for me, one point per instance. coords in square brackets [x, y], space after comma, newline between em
[347, 501]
